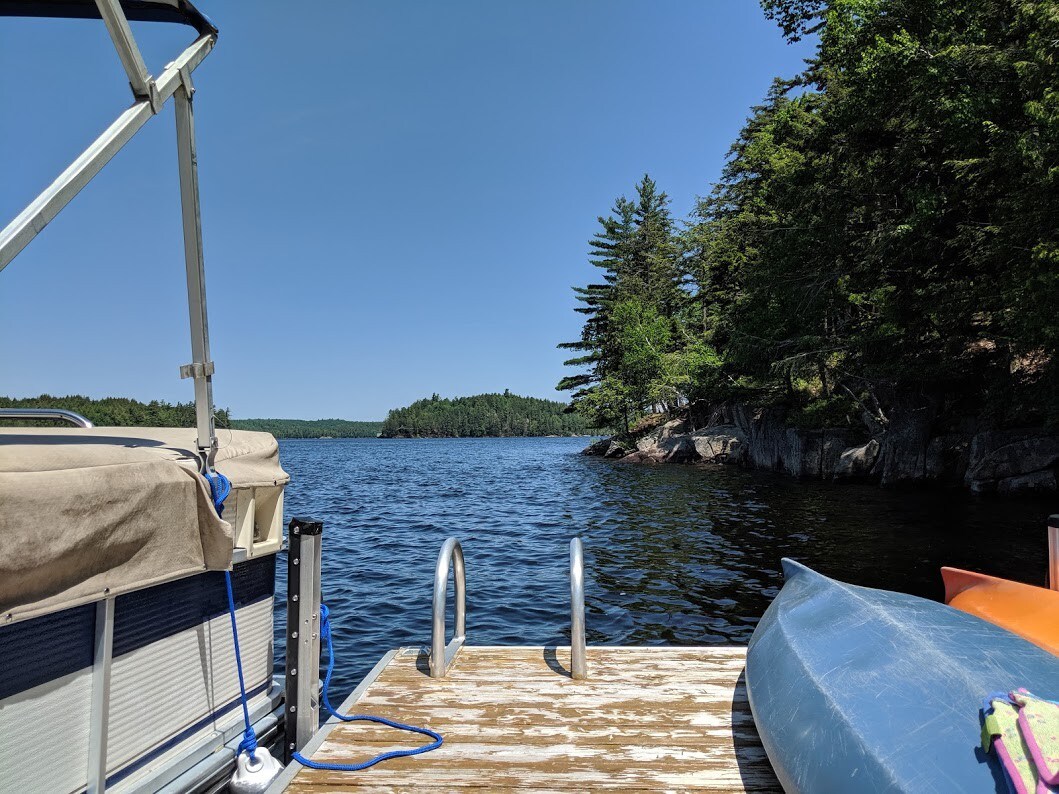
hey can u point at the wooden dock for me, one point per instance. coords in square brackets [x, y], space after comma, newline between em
[645, 719]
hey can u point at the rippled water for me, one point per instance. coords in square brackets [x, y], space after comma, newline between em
[673, 554]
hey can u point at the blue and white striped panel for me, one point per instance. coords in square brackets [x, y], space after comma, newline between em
[173, 679]
[45, 700]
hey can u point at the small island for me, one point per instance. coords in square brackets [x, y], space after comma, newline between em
[483, 415]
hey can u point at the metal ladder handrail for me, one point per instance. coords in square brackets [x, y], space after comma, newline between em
[578, 668]
[16, 414]
[441, 655]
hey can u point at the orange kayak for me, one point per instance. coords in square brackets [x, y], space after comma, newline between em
[1031, 612]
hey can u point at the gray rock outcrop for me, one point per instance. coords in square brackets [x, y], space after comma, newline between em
[906, 451]
[857, 463]
[723, 444]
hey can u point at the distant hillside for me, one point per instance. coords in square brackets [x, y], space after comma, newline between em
[123, 412]
[483, 415]
[310, 428]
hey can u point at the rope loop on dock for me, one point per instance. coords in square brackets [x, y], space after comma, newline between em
[325, 634]
[220, 487]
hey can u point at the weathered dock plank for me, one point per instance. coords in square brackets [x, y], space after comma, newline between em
[646, 719]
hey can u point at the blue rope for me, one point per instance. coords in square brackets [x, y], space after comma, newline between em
[249, 742]
[220, 487]
[325, 633]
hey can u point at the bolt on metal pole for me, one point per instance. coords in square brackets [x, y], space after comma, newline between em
[301, 701]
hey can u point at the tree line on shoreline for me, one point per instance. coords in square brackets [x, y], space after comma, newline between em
[117, 411]
[884, 235]
[478, 416]
[126, 412]
[483, 415]
[310, 428]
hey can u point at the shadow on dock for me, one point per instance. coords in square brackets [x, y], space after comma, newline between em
[423, 662]
[551, 659]
[755, 770]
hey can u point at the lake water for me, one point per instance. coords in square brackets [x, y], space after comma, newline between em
[673, 554]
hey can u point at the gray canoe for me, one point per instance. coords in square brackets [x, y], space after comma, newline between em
[855, 689]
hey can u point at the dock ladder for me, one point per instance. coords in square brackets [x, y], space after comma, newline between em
[450, 558]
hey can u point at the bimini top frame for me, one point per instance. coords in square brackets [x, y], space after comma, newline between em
[150, 95]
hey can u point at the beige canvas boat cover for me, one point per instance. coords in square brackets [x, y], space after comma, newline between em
[85, 511]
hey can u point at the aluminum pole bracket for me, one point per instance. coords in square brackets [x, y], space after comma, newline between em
[154, 97]
[185, 80]
[197, 370]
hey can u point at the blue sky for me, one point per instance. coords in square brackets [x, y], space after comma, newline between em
[396, 197]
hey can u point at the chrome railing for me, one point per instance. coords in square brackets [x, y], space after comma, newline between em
[578, 668]
[21, 414]
[441, 655]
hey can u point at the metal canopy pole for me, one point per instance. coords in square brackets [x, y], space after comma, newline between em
[32, 220]
[102, 660]
[201, 367]
[175, 80]
[125, 44]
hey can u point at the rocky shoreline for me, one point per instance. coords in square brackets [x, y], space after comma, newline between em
[907, 451]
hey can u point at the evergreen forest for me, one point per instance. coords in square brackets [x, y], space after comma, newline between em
[124, 412]
[310, 428]
[483, 415]
[884, 235]
[117, 411]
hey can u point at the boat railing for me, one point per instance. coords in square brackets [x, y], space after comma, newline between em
[442, 654]
[35, 414]
[578, 669]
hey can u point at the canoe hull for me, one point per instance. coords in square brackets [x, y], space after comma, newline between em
[855, 689]
[1031, 612]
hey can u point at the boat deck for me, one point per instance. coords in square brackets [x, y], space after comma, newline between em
[645, 719]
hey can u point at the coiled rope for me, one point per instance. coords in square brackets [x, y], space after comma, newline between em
[325, 633]
[220, 487]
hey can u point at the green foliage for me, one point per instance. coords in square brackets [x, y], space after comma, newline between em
[886, 226]
[310, 428]
[123, 412]
[632, 316]
[116, 411]
[482, 415]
